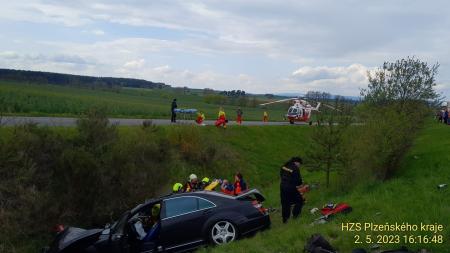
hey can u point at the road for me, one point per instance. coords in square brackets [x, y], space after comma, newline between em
[67, 122]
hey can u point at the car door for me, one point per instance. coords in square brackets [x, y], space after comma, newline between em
[182, 219]
[118, 240]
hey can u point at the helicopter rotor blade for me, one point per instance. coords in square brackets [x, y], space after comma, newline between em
[277, 101]
[332, 107]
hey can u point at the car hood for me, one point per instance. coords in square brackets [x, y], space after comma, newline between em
[71, 236]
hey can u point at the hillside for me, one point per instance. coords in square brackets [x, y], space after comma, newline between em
[75, 80]
[411, 197]
[258, 152]
[34, 99]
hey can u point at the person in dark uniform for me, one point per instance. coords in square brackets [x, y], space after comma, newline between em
[174, 106]
[291, 182]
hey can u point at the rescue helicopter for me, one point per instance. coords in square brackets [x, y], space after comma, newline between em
[300, 111]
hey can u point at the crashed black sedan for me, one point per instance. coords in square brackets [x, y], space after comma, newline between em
[184, 222]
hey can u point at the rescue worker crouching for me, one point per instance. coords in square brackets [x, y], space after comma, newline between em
[192, 184]
[200, 118]
[227, 187]
[290, 185]
[221, 120]
[177, 188]
[209, 185]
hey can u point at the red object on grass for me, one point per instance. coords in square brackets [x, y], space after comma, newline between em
[340, 208]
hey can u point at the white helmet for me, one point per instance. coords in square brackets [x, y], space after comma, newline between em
[192, 177]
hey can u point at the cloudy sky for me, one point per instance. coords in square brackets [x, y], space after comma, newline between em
[261, 46]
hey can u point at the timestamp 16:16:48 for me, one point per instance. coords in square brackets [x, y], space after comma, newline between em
[395, 239]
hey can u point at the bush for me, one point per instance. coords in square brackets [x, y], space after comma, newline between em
[373, 150]
[89, 178]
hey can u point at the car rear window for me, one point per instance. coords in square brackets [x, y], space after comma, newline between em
[203, 204]
[179, 206]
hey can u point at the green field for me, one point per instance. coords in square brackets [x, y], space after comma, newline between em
[54, 100]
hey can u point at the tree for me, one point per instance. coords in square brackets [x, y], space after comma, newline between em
[394, 108]
[326, 138]
[313, 95]
[401, 82]
[208, 91]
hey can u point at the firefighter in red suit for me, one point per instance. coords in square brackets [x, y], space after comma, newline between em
[222, 120]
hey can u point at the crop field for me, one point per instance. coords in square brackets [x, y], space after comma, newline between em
[18, 98]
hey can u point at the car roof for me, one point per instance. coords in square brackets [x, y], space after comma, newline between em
[194, 194]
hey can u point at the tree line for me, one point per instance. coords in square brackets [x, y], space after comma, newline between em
[76, 80]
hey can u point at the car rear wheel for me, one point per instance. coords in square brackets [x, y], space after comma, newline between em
[223, 232]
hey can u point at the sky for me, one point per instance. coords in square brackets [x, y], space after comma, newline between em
[260, 46]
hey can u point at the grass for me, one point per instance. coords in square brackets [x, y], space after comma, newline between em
[411, 197]
[54, 100]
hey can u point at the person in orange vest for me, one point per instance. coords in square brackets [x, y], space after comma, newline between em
[239, 116]
[226, 187]
[200, 118]
[265, 116]
[239, 184]
[222, 120]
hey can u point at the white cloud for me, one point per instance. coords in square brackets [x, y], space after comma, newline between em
[9, 55]
[264, 38]
[343, 80]
[134, 64]
[97, 32]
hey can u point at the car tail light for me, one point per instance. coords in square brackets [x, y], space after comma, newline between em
[58, 228]
[259, 206]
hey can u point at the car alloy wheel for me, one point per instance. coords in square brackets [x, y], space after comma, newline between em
[223, 232]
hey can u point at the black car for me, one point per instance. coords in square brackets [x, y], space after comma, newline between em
[185, 221]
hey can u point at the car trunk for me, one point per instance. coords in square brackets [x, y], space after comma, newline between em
[255, 197]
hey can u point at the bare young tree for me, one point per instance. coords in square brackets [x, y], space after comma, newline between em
[327, 136]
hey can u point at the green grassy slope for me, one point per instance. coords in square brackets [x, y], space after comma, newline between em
[52, 100]
[411, 197]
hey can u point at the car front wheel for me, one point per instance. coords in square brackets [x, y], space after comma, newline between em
[223, 232]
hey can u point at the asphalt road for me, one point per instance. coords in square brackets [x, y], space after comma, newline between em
[59, 121]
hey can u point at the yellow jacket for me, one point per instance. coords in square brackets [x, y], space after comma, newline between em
[221, 113]
[212, 185]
